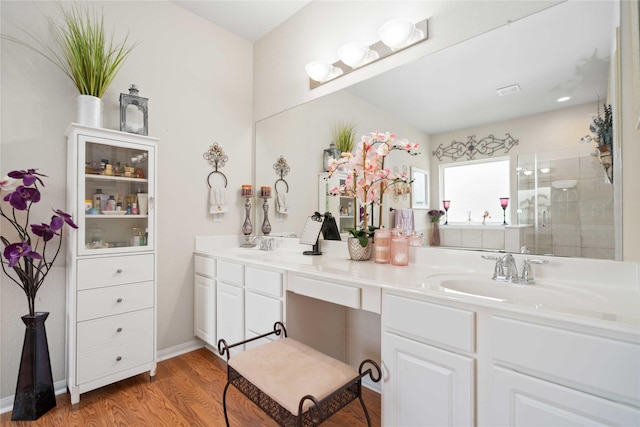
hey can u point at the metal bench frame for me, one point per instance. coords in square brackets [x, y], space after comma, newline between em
[318, 412]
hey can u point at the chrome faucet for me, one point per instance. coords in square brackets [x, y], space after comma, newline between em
[266, 244]
[505, 269]
[510, 268]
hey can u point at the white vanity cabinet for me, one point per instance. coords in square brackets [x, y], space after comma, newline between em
[230, 302]
[204, 318]
[263, 301]
[248, 301]
[111, 271]
[429, 366]
[551, 375]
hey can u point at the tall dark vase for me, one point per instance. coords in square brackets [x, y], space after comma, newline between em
[35, 394]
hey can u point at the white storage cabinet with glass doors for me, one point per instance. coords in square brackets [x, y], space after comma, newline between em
[111, 257]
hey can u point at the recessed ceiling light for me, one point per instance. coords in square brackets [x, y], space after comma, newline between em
[563, 99]
[508, 90]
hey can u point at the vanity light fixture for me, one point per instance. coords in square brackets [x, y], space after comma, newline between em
[322, 71]
[399, 33]
[356, 54]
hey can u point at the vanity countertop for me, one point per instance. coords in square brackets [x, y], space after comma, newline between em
[593, 292]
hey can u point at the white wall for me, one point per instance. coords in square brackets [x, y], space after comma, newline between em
[198, 81]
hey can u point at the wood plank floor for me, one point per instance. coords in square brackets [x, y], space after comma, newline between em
[187, 392]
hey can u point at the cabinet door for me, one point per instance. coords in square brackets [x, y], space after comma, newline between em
[261, 313]
[424, 385]
[230, 314]
[205, 309]
[115, 195]
[521, 400]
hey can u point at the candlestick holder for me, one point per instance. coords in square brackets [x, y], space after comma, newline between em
[247, 228]
[504, 202]
[446, 204]
[266, 226]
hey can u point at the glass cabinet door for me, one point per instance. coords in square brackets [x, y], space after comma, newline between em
[115, 194]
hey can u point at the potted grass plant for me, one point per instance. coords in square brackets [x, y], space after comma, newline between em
[343, 134]
[82, 49]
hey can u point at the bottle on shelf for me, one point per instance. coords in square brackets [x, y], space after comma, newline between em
[136, 232]
[97, 199]
[111, 204]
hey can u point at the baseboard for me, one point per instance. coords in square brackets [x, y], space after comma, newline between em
[6, 403]
[177, 350]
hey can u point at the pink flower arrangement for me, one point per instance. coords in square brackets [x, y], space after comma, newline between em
[367, 178]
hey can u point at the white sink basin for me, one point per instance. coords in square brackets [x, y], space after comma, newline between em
[541, 294]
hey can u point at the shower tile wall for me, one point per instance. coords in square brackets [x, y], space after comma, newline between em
[575, 209]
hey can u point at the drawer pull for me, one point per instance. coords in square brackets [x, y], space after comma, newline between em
[119, 358]
[119, 271]
[119, 300]
[119, 330]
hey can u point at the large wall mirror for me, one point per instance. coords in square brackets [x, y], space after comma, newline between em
[564, 50]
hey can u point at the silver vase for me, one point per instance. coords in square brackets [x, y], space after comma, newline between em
[357, 252]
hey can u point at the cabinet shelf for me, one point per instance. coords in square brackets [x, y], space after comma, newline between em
[103, 216]
[115, 178]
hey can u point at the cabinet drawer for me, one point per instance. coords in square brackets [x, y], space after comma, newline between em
[439, 324]
[230, 272]
[97, 272]
[264, 281]
[261, 312]
[327, 291]
[205, 266]
[112, 330]
[101, 302]
[96, 364]
[598, 365]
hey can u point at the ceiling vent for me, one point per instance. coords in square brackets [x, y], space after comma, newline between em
[508, 90]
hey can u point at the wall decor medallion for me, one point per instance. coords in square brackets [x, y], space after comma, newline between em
[486, 146]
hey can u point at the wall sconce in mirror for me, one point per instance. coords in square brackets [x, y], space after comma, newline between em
[419, 188]
[395, 36]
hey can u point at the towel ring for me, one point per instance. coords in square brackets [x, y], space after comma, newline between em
[218, 173]
[216, 158]
[275, 186]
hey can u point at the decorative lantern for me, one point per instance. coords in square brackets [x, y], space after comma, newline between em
[330, 153]
[134, 113]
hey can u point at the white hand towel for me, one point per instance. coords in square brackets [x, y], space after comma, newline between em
[222, 200]
[281, 201]
[217, 201]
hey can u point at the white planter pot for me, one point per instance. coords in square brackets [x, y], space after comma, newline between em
[90, 111]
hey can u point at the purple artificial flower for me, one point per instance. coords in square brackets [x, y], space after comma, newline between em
[14, 251]
[61, 215]
[19, 198]
[45, 231]
[28, 177]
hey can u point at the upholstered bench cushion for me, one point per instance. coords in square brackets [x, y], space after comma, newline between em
[288, 370]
